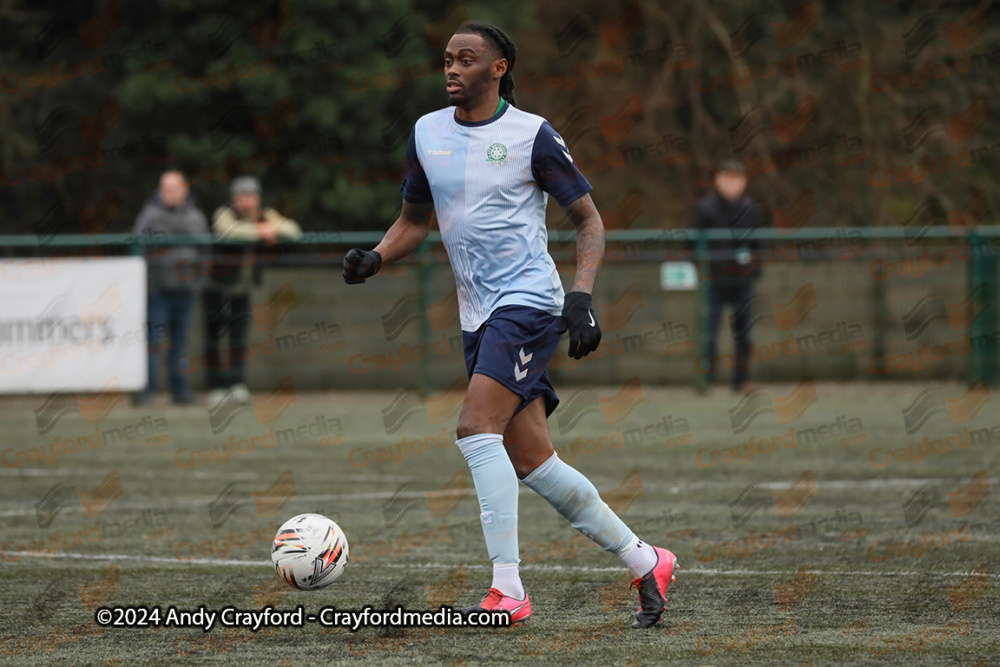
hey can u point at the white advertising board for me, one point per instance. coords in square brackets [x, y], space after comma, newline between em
[72, 324]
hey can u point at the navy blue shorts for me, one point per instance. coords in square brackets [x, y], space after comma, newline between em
[514, 347]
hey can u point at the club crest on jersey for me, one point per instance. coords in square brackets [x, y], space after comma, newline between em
[496, 153]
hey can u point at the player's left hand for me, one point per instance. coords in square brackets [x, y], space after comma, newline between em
[579, 320]
[361, 264]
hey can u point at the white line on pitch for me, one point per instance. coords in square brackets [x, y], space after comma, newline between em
[444, 566]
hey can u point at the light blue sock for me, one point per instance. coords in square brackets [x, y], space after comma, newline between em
[575, 498]
[496, 486]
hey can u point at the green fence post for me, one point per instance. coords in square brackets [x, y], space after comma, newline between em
[700, 259]
[982, 306]
[424, 275]
[880, 317]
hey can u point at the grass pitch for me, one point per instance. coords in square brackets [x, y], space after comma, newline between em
[830, 545]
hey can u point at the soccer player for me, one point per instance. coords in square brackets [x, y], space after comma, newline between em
[486, 168]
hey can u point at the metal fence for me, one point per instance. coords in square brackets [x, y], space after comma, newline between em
[867, 304]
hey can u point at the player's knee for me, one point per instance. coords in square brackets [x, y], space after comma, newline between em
[471, 424]
[465, 429]
[526, 462]
[524, 467]
[476, 421]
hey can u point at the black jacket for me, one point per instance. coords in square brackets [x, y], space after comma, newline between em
[734, 255]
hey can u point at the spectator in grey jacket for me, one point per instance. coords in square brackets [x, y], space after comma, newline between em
[173, 280]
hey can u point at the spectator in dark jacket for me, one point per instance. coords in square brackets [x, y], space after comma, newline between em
[731, 266]
[173, 280]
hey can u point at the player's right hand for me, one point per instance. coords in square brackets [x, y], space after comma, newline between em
[360, 264]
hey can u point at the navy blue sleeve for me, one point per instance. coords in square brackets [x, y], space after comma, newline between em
[553, 168]
[415, 188]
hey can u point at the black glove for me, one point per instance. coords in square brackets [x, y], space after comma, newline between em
[360, 264]
[578, 318]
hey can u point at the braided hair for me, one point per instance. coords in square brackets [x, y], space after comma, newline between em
[502, 43]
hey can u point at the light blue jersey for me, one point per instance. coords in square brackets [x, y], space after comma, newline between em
[490, 182]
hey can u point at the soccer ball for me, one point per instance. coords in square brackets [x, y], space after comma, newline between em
[309, 551]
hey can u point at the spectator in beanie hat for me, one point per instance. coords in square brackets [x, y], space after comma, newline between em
[236, 271]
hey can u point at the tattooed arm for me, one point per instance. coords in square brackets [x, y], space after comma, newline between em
[589, 242]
